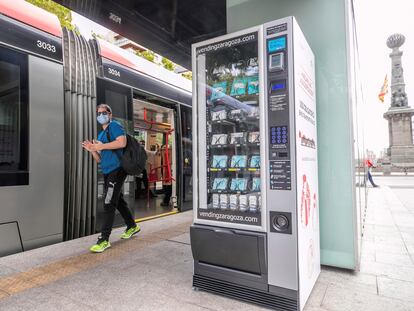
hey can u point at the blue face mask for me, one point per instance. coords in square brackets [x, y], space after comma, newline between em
[102, 119]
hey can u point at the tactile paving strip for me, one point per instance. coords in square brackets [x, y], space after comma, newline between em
[54, 271]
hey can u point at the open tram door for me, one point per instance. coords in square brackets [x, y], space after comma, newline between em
[156, 126]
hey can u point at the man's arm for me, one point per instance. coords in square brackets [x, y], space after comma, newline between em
[119, 143]
[96, 156]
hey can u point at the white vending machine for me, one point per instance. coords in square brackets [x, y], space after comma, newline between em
[255, 235]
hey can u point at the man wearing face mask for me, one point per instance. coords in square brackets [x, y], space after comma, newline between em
[107, 151]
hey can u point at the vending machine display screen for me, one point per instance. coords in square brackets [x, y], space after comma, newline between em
[277, 86]
[276, 44]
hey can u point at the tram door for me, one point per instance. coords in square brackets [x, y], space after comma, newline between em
[155, 128]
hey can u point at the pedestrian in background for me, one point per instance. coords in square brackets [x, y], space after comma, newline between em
[370, 165]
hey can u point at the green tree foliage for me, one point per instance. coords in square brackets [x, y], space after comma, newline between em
[97, 36]
[148, 55]
[64, 15]
[167, 64]
[188, 75]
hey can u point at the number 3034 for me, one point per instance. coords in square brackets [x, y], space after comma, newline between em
[46, 46]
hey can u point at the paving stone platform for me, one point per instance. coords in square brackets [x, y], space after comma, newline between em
[153, 271]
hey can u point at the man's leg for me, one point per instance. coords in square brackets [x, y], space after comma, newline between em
[370, 179]
[115, 181]
[125, 212]
[167, 195]
[122, 206]
[145, 180]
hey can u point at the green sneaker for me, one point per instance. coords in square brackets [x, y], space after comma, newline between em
[100, 246]
[130, 232]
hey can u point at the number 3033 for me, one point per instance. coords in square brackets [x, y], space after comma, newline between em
[46, 46]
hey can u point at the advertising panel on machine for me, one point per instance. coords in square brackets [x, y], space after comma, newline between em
[307, 166]
[229, 124]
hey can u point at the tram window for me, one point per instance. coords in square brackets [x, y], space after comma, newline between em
[119, 98]
[13, 118]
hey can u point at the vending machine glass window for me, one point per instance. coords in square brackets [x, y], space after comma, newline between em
[229, 122]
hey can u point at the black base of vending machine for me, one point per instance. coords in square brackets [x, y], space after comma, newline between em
[233, 263]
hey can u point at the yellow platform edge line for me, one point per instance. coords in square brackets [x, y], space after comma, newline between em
[156, 216]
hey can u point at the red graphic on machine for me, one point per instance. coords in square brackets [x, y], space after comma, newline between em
[306, 215]
[306, 142]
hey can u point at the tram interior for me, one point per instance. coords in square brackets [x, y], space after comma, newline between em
[154, 191]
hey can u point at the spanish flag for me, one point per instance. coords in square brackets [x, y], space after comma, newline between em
[384, 90]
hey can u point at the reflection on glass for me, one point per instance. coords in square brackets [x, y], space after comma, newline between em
[13, 115]
[187, 143]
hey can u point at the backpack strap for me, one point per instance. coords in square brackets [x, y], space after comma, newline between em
[108, 137]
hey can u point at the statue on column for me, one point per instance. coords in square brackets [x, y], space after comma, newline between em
[398, 95]
[399, 115]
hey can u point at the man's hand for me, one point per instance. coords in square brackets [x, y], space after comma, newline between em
[87, 145]
[93, 146]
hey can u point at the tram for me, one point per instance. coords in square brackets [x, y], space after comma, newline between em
[51, 80]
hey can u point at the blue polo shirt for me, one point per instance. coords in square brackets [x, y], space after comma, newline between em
[110, 161]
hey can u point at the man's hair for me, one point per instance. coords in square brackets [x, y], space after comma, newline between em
[105, 106]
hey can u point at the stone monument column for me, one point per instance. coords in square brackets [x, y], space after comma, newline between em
[401, 150]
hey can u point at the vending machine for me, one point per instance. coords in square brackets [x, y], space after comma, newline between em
[255, 235]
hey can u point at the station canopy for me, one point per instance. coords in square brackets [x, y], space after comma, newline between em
[168, 27]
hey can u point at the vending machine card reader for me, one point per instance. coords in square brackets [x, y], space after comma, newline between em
[255, 235]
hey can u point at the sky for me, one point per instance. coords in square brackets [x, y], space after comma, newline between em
[87, 27]
[376, 20]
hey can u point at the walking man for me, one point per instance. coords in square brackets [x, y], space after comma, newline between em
[107, 151]
[370, 165]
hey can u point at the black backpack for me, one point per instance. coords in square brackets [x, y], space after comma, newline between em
[134, 157]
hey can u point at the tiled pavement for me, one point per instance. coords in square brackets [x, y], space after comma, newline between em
[154, 270]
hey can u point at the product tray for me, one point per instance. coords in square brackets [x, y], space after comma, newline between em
[248, 145]
[235, 170]
[233, 192]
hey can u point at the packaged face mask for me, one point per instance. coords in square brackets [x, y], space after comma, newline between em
[253, 203]
[238, 161]
[219, 139]
[220, 72]
[253, 112]
[256, 184]
[237, 138]
[220, 183]
[243, 203]
[216, 201]
[237, 115]
[252, 62]
[254, 137]
[253, 85]
[219, 161]
[218, 115]
[255, 161]
[237, 68]
[224, 201]
[233, 201]
[239, 87]
[219, 90]
[238, 184]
